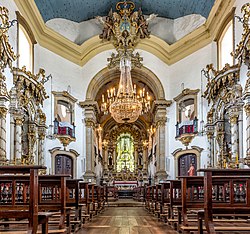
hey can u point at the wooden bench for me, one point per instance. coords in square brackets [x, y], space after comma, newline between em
[224, 203]
[84, 200]
[11, 209]
[50, 196]
[238, 179]
[73, 200]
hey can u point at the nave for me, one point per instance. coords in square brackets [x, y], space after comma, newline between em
[126, 220]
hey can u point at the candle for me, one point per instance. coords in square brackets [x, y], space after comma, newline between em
[108, 93]
[102, 98]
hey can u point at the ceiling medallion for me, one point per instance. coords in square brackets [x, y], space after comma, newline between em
[124, 29]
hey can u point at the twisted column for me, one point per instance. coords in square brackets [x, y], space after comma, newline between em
[136, 157]
[3, 113]
[12, 139]
[41, 137]
[247, 110]
[18, 139]
[234, 138]
[105, 157]
[210, 161]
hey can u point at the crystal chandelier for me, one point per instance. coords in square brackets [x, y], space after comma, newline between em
[126, 105]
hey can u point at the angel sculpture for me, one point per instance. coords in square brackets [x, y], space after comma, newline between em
[143, 24]
[107, 27]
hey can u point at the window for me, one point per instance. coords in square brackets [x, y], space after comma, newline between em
[186, 105]
[64, 113]
[125, 152]
[26, 41]
[25, 49]
[64, 107]
[225, 45]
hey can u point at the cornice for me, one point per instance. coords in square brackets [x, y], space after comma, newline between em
[81, 54]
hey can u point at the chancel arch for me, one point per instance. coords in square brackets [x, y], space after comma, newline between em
[105, 136]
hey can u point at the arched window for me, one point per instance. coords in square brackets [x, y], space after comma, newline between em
[125, 153]
[26, 41]
[225, 45]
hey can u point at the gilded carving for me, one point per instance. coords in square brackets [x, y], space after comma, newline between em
[126, 26]
[219, 82]
[19, 120]
[29, 86]
[247, 109]
[89, 122]
[6, 52]
[210, 115]
[3, 112]
[186, 139]
[242, 52]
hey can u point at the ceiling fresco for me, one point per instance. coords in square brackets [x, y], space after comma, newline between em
[82, 10]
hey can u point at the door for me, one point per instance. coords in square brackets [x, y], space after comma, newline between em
[63, 165]
[184, 164]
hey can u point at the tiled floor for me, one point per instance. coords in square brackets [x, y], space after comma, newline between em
[126, 220]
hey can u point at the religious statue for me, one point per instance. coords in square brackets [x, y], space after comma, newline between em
[191, 171]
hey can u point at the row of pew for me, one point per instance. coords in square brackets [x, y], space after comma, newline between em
[32, 203]
[219, 201]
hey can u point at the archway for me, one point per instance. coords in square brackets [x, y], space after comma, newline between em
[108, 130]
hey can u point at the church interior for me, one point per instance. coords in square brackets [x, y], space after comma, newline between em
[124, 116]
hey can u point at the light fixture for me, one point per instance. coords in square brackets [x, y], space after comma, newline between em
[126, 105]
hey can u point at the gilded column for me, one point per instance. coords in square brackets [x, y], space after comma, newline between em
[18, 139]
[210, 162]
[145, 157]
[247, 110]
[234, 138]
[7, 56]
[105, 156]
[240, 124]
[114, 156]
[12, 139]
[41, 137]
[136, 156]
[3, 113]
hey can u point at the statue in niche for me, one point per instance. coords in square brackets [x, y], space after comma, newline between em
[110, 159]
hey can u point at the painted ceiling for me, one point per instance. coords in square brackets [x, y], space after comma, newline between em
[82, 10]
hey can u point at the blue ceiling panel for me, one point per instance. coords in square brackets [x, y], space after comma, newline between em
[81, 10]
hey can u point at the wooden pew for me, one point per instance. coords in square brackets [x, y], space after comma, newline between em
[174, 199]
[165, 201]
[157, 199]
[51, 196]
[84, 200]
[29, 210]
[73, 200]
[231, 206]
[223, 200]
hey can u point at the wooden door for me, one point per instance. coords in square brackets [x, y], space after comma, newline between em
[63, 165]
[184, 164]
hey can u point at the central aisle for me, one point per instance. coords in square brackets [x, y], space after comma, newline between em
[125, 220]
